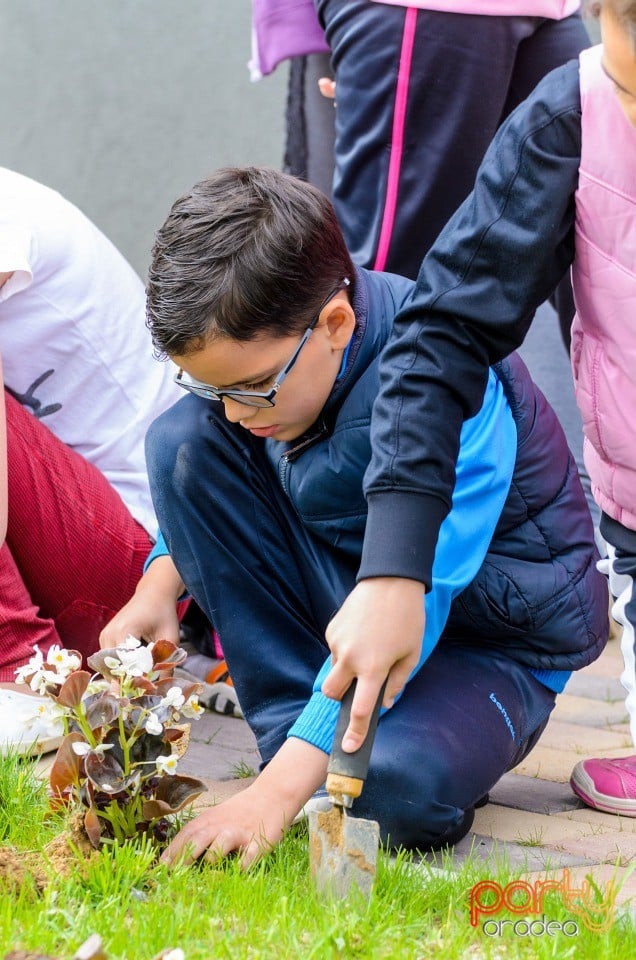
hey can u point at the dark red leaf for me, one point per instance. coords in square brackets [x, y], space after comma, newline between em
[66, 766]
[102, 711]
[172, 794]
[73, 688]
[93, 826]
[187, 687]
[165, 650]
[104, 771]
[97, 664]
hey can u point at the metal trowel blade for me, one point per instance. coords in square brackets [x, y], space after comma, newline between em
[343, 852]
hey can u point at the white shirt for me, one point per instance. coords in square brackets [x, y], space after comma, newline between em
[75, 348]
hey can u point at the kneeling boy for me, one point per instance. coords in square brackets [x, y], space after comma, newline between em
[253, 295]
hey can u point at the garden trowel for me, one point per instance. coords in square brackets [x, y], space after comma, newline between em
[343, 849]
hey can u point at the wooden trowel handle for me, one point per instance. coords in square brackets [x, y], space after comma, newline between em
[347, 772]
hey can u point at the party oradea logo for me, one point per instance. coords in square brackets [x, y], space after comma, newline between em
[589, 905]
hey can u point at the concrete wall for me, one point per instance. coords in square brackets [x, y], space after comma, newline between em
[123, 104]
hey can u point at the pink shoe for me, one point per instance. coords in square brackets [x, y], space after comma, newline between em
[608, 785]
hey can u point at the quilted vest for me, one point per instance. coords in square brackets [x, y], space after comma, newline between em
[604, 281]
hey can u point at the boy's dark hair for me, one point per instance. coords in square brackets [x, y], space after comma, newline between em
[248, 251]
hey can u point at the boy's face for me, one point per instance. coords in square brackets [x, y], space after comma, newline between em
[254, 365]
[619, 61]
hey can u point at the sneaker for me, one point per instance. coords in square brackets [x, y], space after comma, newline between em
[217, 690]
[318, 803]
[222, 695]
[607, 784]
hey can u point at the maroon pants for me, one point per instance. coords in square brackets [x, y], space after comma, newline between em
[73, 553]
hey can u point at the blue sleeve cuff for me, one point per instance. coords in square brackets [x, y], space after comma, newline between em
[554, 680]
[160, 549]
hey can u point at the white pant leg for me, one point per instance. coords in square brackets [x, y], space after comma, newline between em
[622, 588]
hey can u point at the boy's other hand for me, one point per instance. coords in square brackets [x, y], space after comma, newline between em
[376, 634]
[252, 822]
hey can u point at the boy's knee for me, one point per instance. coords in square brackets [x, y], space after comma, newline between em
[172, 442]
[415, 804]
[161, 438]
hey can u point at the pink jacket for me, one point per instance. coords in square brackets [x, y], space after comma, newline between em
[604, 280]
[289, 28]
[550, 9]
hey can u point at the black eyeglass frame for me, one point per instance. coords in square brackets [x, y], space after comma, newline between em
[254, 398]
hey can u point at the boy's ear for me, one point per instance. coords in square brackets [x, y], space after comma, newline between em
[338, 320]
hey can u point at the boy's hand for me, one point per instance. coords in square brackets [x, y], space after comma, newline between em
[151, 613]
[377, 633]
[253, 822]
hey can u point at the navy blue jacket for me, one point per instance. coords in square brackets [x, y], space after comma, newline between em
[499, 257]
[525, 536]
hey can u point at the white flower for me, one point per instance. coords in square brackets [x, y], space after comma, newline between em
[43, 678]
[192, 708]
[136, 663]
[152, 725]
[39, 718]
[81, 748]
[96, 686]
[63, 660]
[36, 670]
[130, 643]
[167, 764]
[48, 712]
[173, 698]
[33, 666]
[133, 662]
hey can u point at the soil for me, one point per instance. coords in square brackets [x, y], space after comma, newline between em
[62, 852]
[16, 866]
[59, 858]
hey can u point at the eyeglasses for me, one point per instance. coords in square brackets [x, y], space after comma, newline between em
[254, 398]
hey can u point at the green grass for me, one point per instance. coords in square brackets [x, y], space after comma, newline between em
[140, 908]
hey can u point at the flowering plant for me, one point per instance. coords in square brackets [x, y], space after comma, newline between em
[118, 760]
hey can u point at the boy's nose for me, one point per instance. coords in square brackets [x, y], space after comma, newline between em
[235, 411]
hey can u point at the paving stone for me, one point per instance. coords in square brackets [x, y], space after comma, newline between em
[599, 819]
[575, 837]
[597, 688]
[623, 879]
[618, 848]
[220, 790]
[549, 763]
[568, 736]
[497, 854]
[533, 794]
[225, 733]
[622, 728]
[610, 664]
[220, 747]
[585, 711]
[203, 761]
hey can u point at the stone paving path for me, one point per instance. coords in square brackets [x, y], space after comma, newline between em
[533, 819]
